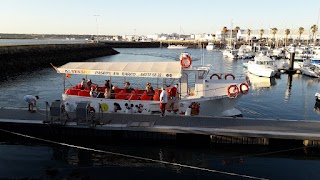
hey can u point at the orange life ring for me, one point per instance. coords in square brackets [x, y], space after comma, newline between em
[185, 61]
[215, 75]
[244, 91]
[233, 91]
[248, 80]
[226, 76]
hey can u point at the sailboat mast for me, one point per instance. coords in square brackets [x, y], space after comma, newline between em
[231, 33]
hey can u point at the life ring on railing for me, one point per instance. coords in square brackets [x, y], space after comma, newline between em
[215, 75]
[248, 80]
[185, 61]
[233, 91]
[226, 76]
[244, 91]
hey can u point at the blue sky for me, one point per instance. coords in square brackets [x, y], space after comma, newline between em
[149, 17]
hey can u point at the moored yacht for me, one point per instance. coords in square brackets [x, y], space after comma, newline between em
[262, 65]
[210, 46]
[179, 46]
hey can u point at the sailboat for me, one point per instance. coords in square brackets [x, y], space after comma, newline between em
[230, 52]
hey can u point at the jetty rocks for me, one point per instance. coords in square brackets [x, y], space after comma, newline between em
[16, 59]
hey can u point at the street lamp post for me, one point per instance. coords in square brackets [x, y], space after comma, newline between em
[97, 26]
[135, 30]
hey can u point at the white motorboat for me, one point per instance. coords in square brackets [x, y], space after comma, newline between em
[262, 65]
[210, 46]
[207, 95]
[230, 53]
[179, 46]
[310, 70]
[245, 52]
[277, 53]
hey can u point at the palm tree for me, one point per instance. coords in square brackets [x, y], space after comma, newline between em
[224, 30]
[287, 32]
[301, 30]
[274, 32]
[261, 33]
[314, 29]
[249, 33]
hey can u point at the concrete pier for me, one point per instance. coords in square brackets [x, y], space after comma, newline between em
[170, 127]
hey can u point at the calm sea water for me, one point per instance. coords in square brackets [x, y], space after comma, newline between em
[288, 97]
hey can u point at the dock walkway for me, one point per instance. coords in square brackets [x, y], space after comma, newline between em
[176, 124]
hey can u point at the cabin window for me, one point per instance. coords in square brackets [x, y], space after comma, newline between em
[201, 74]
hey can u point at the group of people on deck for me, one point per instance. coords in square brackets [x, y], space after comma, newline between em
[109, 89]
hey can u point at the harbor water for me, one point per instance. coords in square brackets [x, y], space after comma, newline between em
[287, 97]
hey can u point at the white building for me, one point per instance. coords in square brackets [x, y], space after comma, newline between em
[202, 37]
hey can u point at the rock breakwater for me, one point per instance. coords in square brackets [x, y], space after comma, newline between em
[21, 58]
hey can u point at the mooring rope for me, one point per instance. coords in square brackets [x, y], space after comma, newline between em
[264, 153]
[134, 157]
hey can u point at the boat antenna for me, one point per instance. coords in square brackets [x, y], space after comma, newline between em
[317, 28]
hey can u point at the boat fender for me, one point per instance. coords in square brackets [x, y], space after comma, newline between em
[248, 80]
[226, 76]
[233, 91]
[185, 61]
[215, 75]
[244, 90]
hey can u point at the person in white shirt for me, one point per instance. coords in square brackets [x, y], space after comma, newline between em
[163, 101]
[32, 101]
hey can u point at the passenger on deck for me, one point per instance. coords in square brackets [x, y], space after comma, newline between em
[89, 83]
[163, 101]
[94, 91]
[149, 89]
[107, 93]
[83, 84]
[127, 87]
[173, 95]
[108, 84]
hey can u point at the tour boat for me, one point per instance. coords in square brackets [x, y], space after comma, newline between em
[199, 92]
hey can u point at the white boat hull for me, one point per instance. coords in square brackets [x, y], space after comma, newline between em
[223, 106]
[309, 71]
[261, 71]
[213, 102]
[177, 47]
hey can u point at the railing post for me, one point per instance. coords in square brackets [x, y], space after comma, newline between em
[47, 104]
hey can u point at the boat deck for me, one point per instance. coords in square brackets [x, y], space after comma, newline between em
[176, 124]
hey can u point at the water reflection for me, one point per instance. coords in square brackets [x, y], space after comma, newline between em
[289, 86]
[258, 82]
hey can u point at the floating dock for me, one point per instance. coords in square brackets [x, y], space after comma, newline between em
[171, 127]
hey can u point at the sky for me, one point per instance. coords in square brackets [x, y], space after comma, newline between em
[145, 17]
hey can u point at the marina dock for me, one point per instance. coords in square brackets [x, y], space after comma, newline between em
[171, 127]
